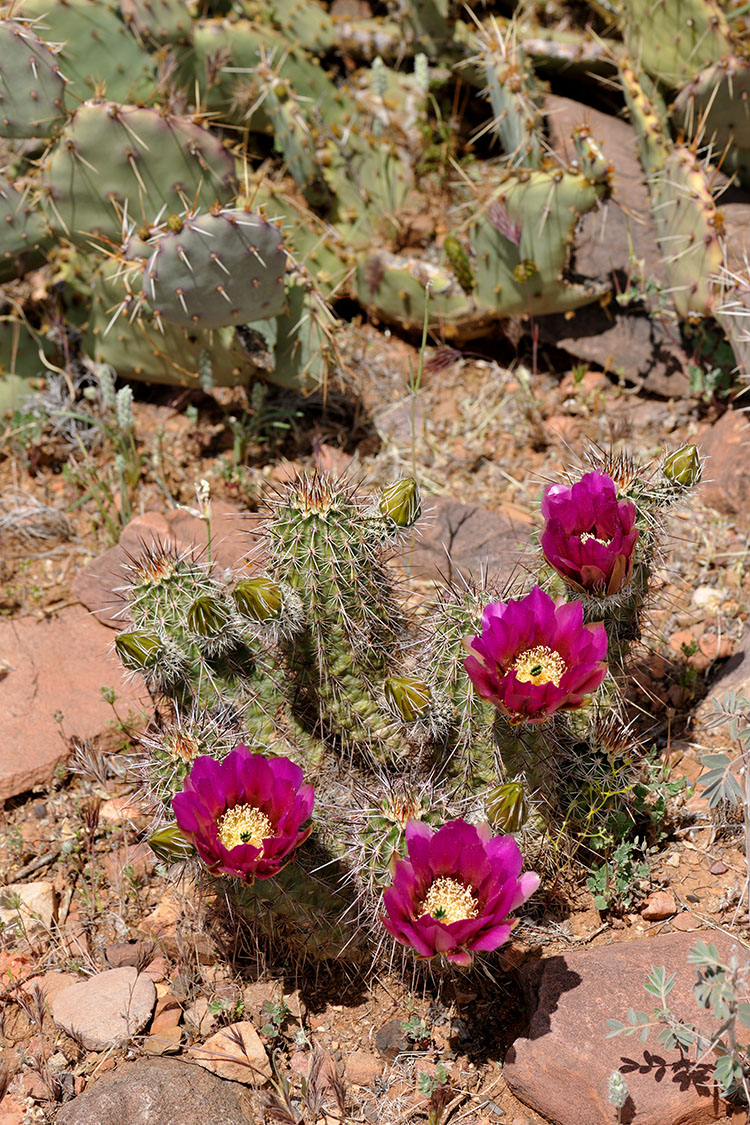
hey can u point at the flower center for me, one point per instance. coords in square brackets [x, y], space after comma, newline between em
[539, 665]
[244, 824]
[586, 535]
[449, 901]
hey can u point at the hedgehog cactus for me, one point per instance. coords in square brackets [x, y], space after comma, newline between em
[492, 711]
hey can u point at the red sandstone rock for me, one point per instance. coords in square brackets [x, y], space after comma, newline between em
[562, 1069]
[658, 905]
[57, 668]
[234, 537]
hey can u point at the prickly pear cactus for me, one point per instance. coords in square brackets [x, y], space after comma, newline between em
[116, 164]
[32, 93]
[207, 271]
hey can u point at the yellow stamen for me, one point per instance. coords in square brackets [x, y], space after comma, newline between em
[539, 665]
[586, 535]
[244, 824]
[449, 901]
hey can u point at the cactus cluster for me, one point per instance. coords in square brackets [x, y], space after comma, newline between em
[315, 657]
[134, 131]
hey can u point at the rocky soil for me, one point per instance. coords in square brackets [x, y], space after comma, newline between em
[117, 1002]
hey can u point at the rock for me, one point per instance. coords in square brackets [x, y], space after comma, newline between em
[129, 860]
[708, 597]
[122, 810]
[390, 1039]
[658, 906]
[57, 668]
[718, 868]
[106, 1010]
[562, 1069]
[362, 1068]
[726, 484]
[237, 1053]
[155, 1091]
[233, 537]
[607, 235]
[716, 647]
[51, 984]
[733, 676]
[166, 1042]
[129, 953]
[13, 1109]
[463, 537]
[630, 344]
[686, 922]
[25, 907]
[301, 1063]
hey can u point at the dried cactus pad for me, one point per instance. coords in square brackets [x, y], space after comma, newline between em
[222, 268]
[32, 89]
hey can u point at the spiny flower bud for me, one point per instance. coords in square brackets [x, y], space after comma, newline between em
[506, 807]
[209, 619]
[169, 844]
[401, 502]
[258, 598]
[408, 697]
[140, 650]
[683, 466]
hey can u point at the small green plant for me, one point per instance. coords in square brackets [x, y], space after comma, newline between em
[226, 1010]
[437, 1089]
[276, 1012]
[722, 988]
[614, 882]
[416, 1030]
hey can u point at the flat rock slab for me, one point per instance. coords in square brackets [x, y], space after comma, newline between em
[159, 1092]
[234, 537]
[25, 907]
[726, 484]
[236, 1052]
[57, 667]
[562, 1069]
[629, 344]
[454, 538]
[106, 1010]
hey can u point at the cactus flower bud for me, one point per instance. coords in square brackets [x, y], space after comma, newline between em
[401, 502]
[506, 807]
[140, 650]
[408, 697]
[170, 845]
[260, 598]
[208, 617]
[683, 466]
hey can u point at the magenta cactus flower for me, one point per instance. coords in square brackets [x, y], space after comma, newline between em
[589, 535]
[246, 814]
[535, 657]
[453, 892]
